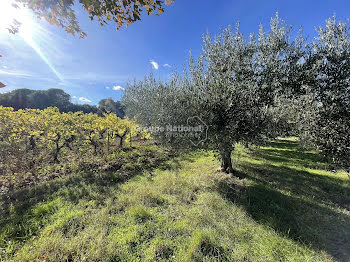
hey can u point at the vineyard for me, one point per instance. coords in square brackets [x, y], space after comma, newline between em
[35, 144]
[238, 151]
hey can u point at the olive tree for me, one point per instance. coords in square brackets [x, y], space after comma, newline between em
[330, 71]
[230, 87]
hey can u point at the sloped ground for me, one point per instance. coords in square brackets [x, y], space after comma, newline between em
[292, 192]
[289, 208]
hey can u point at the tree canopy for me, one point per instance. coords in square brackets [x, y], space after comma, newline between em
[230, 88]
[249, 89]
[108, 105]
[329, 127]
[41, 99]
[62, 13]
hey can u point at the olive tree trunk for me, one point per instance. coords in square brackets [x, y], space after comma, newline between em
[226, 162]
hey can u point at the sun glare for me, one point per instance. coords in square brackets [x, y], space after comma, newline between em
[7, 13]
[30, 31]
[11, 15]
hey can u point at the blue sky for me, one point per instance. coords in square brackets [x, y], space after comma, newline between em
[89, 68]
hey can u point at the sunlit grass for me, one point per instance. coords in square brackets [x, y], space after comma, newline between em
[188, 211]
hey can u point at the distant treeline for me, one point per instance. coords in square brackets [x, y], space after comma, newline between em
[41, 99]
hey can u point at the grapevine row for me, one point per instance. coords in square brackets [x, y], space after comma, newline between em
[33, 138]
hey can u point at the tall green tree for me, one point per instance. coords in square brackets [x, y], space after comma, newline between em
[41, 99]
[230, 87]
[108, 105]
[330, 71]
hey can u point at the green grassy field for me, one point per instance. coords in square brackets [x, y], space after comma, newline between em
[288, 208]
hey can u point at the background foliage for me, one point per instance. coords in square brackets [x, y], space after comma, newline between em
[41, 99]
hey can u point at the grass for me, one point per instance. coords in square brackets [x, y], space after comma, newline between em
[288, 208]
[293, 192]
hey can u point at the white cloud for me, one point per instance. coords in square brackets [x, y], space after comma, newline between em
[84, 99]
[117, 88]
[167, 65]
[74, 97]
[107, 87]
[154, 64]
[4, 67]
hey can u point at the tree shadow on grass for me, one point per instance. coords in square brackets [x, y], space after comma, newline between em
[303, 206]
[283, 144]
[290, 152]
[18, 221]
[305, 221]
[302, 220]
[180, 156]
[324, 189]
[16, 208]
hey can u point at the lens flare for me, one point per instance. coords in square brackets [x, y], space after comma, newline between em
[35, 35]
